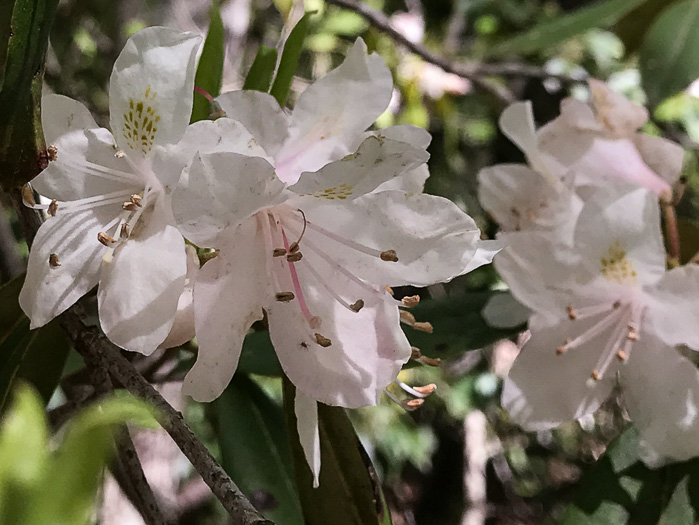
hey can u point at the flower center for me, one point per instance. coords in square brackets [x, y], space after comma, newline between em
[616, 267]
[140, 122]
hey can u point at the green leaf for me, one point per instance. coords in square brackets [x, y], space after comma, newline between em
[255, 450]
[258, 356]
[209, 74]
[44, 359]
[290, 60]
[22, 150]
[553, 32]
[349, 491]
[458, 325]
[11, 315]
[633, 27]
[669, 55]
[260, 75]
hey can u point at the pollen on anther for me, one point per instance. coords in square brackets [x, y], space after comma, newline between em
[53, 261]
[595, 375]
[621, 355]
[105, 239]
[278, 252]
[129, 206]
[136, 199]
[322, 340]
[389, 256]
[52, 152]
[53, 208]
[284, 297]
[356, 306]
[560, 350]
[571, 313]
[632, 335]
[125, 231]
[413, 404]
[424, 327]
[410, 301]
[294, 257]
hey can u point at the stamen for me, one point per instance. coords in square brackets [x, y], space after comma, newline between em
[389, 256]
[137, 199]
[53, 208]
[588, 311]
[571, 313]
[322, 340]
[90, 168]
[28, 196]
[53, 261]
[388, 289]
[105, 239]
[591, 332]
[411, 301]
[332, 292]
[84, 204]
[357, 305]
[294, 257]
[608, 353]
[263, 219]
[125, 231]
[424, 327]
[284, 297]
[278, 252]
[418, 391]
[297, 285]
[52, 152]
[407, 318]
[412, 404]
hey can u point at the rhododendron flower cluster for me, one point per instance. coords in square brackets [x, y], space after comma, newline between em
[585, 253]
[312, 217]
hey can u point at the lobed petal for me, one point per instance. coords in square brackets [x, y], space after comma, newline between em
[306, 410]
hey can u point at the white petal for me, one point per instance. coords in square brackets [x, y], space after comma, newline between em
[151, 89]
[413, 135]
[183, 327]
[663, 156]
[544, 389]
[485, 251]
[412, 181]
[619, 218]
[69, 126]
[517, 123]
[674, 307]
[227, 300]
[221, 189]
[306, 410]
[619, 115]
[260, 113]
[330, 117]
[434, 240]
[73, 238]
[504, 311]
[367, 347]
[661, 392]
[139, 289]
[377, 160]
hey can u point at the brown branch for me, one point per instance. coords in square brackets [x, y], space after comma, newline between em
[474, 72]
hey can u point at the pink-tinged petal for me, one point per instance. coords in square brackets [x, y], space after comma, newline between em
[183, 327]
[331, 116]
[433, 239]
[150, 90]
[85, 165]
[50, 289]
[544, 389]
[662, 156]
[140, 288]
[661, 393]
[306, 410]
[517, 123]
[260, 113]
[355, 355]
[621, 225]
[673, 313]
[376, 161]
[221, 189]
[620, 116]
[227, 300]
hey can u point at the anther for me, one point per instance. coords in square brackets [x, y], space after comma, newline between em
[407, 318]
[595, 375]
[356, 306]
[388, 289]
[632, 335]
[284, 297]
[560, 350]
[129, 206]
[119, 154]
[125, 231]
[105, 239]
[53, 261]
[412, 404]
[52, 152]
[322, 340]
[278, 252]
[424, 327]
[616, 304]
[294, 247]
[53, 208]
[389, 256]
[427, 389]
[136, 199]
[571, 313]
[411, 301]
[621, 355]
[28, 196]
[294, 257]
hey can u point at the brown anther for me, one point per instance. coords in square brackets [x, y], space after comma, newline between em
[595, 375]
[52, 152]
[560, 350]
[356, 306]
[322, 340]
[410, 301]
[315, 322]
[632, 335]
[284, 297]
[28, 196]
[129, 206]
[388, 289]
[119, 154]
[389, 256]
[407, 317]
[105, 239]
[278, 252]
[426, 390]
[294, 247]
[136, 199]
[125, 231]
[424, 327]
[53, 208]
[621, 355]
[430, 361]
[571, 313]
[616, 304]
[294, 257]
[413, 404]
[415, 353]
[53, 261]
[208, 255]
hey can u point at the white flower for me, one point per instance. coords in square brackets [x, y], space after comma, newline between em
[111, 221]
[607, 309]
[311, 231]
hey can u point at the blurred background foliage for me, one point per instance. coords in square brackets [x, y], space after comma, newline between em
[457, 459]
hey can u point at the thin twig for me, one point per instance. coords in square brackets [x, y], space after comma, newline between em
[474, 72]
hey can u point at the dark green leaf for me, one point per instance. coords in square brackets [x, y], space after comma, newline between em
[260, 75]
[669, 55]
[210, 69]
[633, 27]
[22, 149]
[258, 356]
[551, 33]
[44, 359]
[349, 491]
[255, 450]
[11, 315]
[290, 60]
